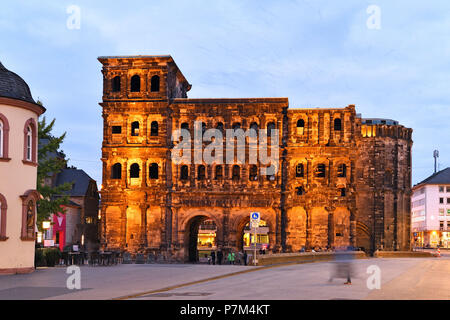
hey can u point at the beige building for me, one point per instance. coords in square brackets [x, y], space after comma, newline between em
[18, 173]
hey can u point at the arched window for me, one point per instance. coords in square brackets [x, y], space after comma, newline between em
[236, 173]
[135, 128]
[337, 124]
[153, 171]
[201, 172]
[135, 83]
[3, 209]
[154, 129]
[185, 126]
[254, 126]
[236, 126]
[184, 172]
[219, 126]
[342, 171]
[4, 136]
[30, 139]
[203, 127]
[154, 84]
[270, 128]
[116, 171]
[134, 170]
[116, 84]
[300, 126]
[219, 173]
[253, 175]
[299, 171]
[29, 144]
[320, 171]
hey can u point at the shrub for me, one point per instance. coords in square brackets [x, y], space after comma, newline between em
[47, 257]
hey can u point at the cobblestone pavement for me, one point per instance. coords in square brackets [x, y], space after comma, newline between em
[403, 278]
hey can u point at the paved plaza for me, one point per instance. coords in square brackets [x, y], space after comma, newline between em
[401, 278]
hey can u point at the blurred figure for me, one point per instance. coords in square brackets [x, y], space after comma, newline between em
[343, 264]
[213, 257]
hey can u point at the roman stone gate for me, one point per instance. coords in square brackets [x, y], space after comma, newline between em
[340, 180]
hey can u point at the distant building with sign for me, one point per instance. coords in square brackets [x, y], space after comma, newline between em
[430, 214]
[79, 224]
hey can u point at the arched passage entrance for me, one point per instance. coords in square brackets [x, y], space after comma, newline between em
[246, 237]
[201, 234]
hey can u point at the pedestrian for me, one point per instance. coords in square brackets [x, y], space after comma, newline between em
[233, 257]
[245, 257]
[213, 257]
[343, 265]
[229, 257]
[219, 257]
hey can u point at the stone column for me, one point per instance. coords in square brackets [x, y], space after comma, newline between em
[123, 227]
[225, 228]
[331, 232]
[353, 213]
[104, 240]
[308, 211]
[143, 238]
[175, 242]
[144, 174]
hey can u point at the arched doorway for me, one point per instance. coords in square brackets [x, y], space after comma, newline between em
[201, 238]
[246, 237]
[363, 237]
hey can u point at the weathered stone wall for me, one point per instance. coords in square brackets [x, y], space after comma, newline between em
[384, 187]
[340, 198]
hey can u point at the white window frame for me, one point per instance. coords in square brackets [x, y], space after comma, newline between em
[29, 144]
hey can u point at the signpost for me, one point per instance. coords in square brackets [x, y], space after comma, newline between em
[255, 217]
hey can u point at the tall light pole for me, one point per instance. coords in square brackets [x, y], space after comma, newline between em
[436, 156]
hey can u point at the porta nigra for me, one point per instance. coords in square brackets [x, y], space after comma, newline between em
[343, 180]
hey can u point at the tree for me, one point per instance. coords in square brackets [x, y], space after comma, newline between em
[51, 162]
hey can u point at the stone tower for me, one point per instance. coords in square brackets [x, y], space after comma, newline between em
[383, 172]
[135, 152]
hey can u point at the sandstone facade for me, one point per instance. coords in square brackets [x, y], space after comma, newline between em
[336, 184]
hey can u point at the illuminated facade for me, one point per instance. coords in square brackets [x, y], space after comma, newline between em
[430, 213]
[19, 116]
[342, 180]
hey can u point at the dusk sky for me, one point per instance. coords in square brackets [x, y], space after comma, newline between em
[316, 53]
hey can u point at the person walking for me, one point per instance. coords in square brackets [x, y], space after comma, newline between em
[213, 257]
[233, 257]
[229, 257]
[219, 257]
[245, 257]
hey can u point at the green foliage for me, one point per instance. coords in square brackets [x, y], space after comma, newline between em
[47, 257]
[51, 162]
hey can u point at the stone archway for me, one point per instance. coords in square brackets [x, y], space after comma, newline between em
[363, 237]
[191, 236]
[265, 234]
